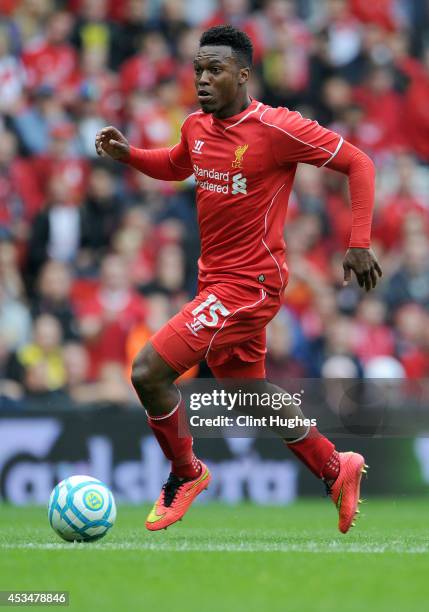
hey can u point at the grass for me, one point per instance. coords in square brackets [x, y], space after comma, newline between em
[237, 558]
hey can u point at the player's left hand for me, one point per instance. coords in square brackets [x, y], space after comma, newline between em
[364, 264]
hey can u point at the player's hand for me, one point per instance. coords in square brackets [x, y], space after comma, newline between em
[111, 142]
[364, 264]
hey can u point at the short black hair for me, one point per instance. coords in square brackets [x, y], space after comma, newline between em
[229, 36]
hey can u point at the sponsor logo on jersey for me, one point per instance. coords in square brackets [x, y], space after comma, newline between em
[239, 184]
[239, 154]
[210, 174]
[203, 175]
[198, 146]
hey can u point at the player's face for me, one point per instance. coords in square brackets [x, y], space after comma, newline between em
[219, 80]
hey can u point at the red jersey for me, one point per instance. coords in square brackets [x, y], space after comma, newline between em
[244, 168]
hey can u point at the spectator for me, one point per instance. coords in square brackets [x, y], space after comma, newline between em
[10, 275]
[404, 187]
[372, 337]
[170, 275]
[63, 162]
[20, 197]
[95, 96]
[39, 365]
[101, 211]
[94, 29]
[412, 340]
[186, 48]
[149, 66]
[106, 318]
[11, 392]
[15, 321]
[155, 120]
[136, 22]
[31, 18]
[35, 119]
[281, 362]
[383, 108]
[53, 294]
[51, 60]
[416, 113]
[344, 38]
[285, 64]
[410, 283]
[12, 75]
[337, 341]
[76, 366]
[172, 22]
[111, 388]
[134, 242]
[57, 229]
[129, 243]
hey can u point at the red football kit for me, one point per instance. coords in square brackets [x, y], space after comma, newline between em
[244, 167]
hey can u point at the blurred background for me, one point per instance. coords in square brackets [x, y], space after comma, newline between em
[95, 257]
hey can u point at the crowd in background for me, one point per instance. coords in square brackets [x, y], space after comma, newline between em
[94, 257]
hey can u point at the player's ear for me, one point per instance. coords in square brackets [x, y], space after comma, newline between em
[243, 77]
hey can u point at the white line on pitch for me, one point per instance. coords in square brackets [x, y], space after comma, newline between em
[334, 547]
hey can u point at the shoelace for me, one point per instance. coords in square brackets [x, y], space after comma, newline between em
[170, 488]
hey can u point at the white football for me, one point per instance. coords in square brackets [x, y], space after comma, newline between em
[81, 508]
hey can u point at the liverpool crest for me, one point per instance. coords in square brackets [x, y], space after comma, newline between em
[239, 153]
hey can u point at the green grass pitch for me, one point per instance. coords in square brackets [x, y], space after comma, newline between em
[237, 558]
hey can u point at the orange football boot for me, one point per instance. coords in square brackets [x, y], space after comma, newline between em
[175, 498]
[345, 491]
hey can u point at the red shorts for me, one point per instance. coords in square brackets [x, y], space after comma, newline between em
[224, 322]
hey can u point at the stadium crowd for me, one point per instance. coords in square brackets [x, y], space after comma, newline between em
[94, 256]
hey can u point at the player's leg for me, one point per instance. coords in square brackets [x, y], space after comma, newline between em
[308, 444]
[153, 379]
[183, 342]
[341, 472]
[177, 346]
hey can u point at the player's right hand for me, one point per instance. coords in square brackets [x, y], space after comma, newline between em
[111, 142]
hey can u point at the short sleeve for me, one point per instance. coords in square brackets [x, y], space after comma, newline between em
[296, 139]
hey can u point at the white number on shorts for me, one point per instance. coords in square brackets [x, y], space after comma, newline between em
[214, 305]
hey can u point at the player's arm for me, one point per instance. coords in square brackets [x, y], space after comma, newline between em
[360, 258]
[164, 164]
[296, 139]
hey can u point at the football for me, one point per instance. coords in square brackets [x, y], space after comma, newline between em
[82, 509]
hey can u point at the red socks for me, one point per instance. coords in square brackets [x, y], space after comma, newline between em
[315, 451]
[178, 450]
[318, 454]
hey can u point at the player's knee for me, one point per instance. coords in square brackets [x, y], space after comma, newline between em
[149, 373]
[141, 375]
